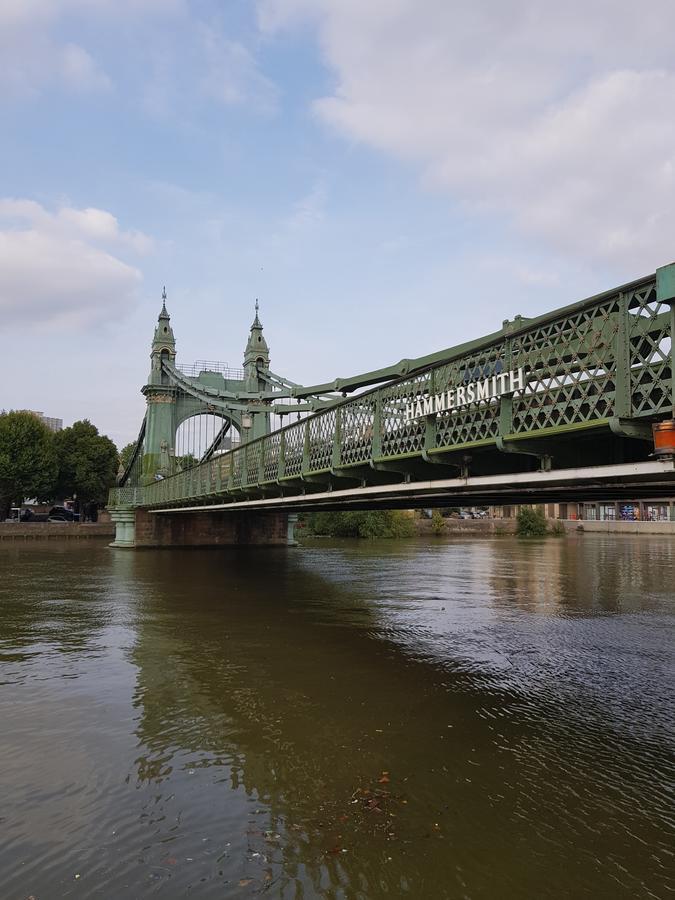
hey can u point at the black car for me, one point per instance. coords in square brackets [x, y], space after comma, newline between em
[61, 514]
[28, 515]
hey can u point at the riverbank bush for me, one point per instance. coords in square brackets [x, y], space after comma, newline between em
[437, 522]
[381, 523]
[531, 522]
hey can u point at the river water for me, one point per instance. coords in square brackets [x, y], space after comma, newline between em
[473, 718]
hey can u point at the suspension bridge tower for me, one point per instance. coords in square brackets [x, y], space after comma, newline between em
[160, 396]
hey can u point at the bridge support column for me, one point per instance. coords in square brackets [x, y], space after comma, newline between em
[290, 533]
[124, 518]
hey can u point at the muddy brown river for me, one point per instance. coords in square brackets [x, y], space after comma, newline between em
[463, 718]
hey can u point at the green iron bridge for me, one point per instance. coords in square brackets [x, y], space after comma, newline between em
[557, 407]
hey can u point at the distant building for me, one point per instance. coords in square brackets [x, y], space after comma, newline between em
[49, 421]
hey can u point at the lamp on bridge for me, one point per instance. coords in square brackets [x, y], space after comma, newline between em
[246, 424]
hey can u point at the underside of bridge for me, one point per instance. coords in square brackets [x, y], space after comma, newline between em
[562, 407]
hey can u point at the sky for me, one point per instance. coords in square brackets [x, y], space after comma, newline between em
[389, 178]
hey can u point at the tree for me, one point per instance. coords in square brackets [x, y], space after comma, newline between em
[380, 523]
[87, 461]
[186, 462]
[28, 464]
[531, 522]
[126, 453]
[437, 522]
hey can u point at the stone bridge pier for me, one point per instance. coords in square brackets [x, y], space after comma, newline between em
[136, 528]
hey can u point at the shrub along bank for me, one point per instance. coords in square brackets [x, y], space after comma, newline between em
[380, 523]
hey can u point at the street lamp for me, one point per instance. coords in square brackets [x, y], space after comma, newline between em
[246, 424]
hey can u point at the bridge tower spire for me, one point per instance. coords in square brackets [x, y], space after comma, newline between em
[163, 344]
[256, 371]
[160, 395]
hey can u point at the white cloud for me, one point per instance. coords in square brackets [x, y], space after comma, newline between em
[59, 268]
[231, 75]
[200, 64]
[89, 224]
[174, 58]
[32, 59]
[79, 71]
[558, 117]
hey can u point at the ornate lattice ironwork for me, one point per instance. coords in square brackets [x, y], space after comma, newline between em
[271, 464]
[598, 363]
[356, 431]
[294, 443]
[398, 436]
[321, 437]
[480, 420]
[650, 349]
[569, 365]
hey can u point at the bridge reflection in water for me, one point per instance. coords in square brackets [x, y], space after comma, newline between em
[213, 720]
[513, 743]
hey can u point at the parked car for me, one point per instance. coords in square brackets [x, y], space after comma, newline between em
[465, 514]
[61, 514]
[29, 515]
[25, 515]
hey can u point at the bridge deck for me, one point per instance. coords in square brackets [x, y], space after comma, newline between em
[634, 480]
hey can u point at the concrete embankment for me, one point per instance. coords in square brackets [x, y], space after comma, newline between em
[508, 526]
[468, 526]
[621, 527]
[19, 531]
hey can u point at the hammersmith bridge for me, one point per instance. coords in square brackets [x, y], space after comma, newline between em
[575, 403]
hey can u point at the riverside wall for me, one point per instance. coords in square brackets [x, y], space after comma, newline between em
[26, 531]
[508, 526]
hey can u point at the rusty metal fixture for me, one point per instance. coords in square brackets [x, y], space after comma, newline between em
[664, 437]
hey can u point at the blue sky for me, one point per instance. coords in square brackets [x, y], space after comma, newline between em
[388, 178]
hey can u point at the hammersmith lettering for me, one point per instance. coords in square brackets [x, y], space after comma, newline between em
[474, 392]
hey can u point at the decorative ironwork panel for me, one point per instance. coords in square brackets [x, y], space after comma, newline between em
[253, 460]
[294, 448]
[356, 430]
[271, 466]
[480, 420]
[126, 496]
[399, 436]
[321, 437]
[570, 364]
[237, 467]
[650, 352]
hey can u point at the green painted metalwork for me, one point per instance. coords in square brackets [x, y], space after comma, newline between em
[603, 365]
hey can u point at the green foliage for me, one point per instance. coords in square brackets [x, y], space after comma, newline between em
[126, 454]
[186, 462]
[437, 522]
[531, 522]
[381, 523]
[27, 460]
[557, 529]
[87, 462]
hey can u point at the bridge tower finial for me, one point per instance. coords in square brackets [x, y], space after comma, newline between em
[257, 353]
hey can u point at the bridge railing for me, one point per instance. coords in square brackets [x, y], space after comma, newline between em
[126, 496]
[609, 357]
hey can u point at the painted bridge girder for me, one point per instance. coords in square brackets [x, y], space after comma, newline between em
[595, 374]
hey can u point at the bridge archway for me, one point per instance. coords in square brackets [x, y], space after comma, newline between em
[203, 433]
